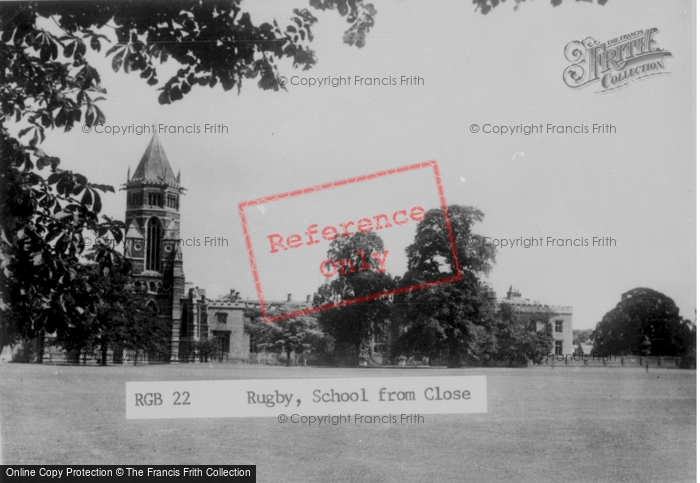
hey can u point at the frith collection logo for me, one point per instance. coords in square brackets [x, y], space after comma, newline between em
[615, 63]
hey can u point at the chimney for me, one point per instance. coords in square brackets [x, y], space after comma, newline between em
[308, 299]
[289, 297]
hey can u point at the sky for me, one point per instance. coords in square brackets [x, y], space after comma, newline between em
[636, 185]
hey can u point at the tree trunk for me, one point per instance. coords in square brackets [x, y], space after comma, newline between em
[73, 356]
[39, 359]
[455, 358]
[289, 358]
[103, 362]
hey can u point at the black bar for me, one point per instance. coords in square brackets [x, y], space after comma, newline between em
[127, 473]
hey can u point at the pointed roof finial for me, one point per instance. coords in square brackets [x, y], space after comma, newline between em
[154, 165]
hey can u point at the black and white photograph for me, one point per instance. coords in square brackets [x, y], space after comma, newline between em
[348, 241]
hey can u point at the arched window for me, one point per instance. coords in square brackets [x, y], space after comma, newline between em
[154, 236]
[153, 307]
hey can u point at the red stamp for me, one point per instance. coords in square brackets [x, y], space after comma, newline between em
[291, 232]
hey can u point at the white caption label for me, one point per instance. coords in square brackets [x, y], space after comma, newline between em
[305, 397]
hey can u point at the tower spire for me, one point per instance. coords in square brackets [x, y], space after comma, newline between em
[154, 166]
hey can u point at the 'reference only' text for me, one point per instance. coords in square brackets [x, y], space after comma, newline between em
[330, 233]
[329, 268]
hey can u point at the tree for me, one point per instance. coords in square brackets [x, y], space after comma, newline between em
[455, 318]
[518, 334]
[117, 315]
[353, 326]
[646, 323]
[43, 222]
[205, 349]
[215, 41]
[485, 6]
[582, 336]
[291, 335]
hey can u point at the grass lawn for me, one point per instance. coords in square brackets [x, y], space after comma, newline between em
[563, 424]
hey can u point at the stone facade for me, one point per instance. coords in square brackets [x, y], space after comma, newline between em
[227, 328]
[560, 317]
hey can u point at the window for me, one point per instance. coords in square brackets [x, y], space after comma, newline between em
[153, 307]
[378, 344]
[154, 234]
[222, 340]
[559, 326]
[133, 199]
[558, 347]
[171, 201]
[203, 323]
[155, 199]
[184, 321]
[221, 317]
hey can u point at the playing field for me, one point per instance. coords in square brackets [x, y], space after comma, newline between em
[563, 424]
